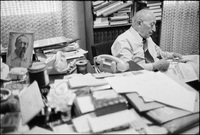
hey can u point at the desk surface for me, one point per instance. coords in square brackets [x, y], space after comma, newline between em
[90, 69]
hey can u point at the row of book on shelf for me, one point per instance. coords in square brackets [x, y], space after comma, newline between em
[107, 35]
[155, 7]
[111, 12]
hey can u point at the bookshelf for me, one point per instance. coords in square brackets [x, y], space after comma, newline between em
[99, 27]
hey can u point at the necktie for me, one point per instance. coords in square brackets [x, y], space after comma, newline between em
[147, 55]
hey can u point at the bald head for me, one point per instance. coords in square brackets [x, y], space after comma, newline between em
[144, 22]
[144, 14]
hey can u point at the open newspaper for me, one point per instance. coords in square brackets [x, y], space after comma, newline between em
[183, 71]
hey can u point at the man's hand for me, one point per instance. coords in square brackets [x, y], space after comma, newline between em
[161, 65]
[177, 55]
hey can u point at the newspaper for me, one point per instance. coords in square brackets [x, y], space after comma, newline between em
[182, 71]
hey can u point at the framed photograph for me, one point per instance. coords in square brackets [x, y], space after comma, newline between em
[20, 49]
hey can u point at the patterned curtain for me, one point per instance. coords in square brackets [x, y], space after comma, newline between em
[46, 19]
[180, 27]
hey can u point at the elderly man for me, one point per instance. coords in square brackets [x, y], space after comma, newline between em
[18, 57]
[136, 45]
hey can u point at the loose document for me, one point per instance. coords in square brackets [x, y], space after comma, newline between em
[156, 86]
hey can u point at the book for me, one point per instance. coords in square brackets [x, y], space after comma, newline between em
[102, 5]
[154, 7]
[120, 14]
[168, 113]
[154, 4]
[119, 22]
[157, 14]
[109, 12]
[101, 21]
[115, 18]
[95, 3]
[96, 25]
[158, 17]
[108, 101]
[126, 9]
[111, 6]
[156, 10]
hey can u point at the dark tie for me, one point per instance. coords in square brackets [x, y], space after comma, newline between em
[147, 55]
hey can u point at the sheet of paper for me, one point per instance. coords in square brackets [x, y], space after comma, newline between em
[163, 89]
[124, 84]
[81, 123]
[85, 104]
[85, 80]
[75, 54]
[30, 102]
[102, 87]
[146, 99]
[156, 86]
[117, 119]
[39, 130]
[63, 129]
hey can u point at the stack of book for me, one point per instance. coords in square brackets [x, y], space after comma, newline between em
[103, 10]
[101, 21]
[122, 16]
[155, 7]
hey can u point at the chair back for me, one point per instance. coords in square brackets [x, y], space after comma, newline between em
[101, 48]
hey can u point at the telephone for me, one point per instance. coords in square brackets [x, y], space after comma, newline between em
[109, 63]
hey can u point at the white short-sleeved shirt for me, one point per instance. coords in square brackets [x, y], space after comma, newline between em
[129, 47]
[15, 61]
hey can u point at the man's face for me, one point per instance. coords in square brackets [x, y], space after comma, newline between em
[147, 27]
[21, 46]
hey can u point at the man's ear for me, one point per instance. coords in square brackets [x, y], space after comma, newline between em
[139, 22]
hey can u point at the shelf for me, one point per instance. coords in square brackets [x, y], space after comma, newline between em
[108, 26]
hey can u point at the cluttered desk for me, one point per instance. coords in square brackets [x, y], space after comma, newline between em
[82, 100]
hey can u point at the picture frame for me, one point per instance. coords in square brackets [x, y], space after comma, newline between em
[20, 49]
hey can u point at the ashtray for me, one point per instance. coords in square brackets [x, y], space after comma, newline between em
[5, 94]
